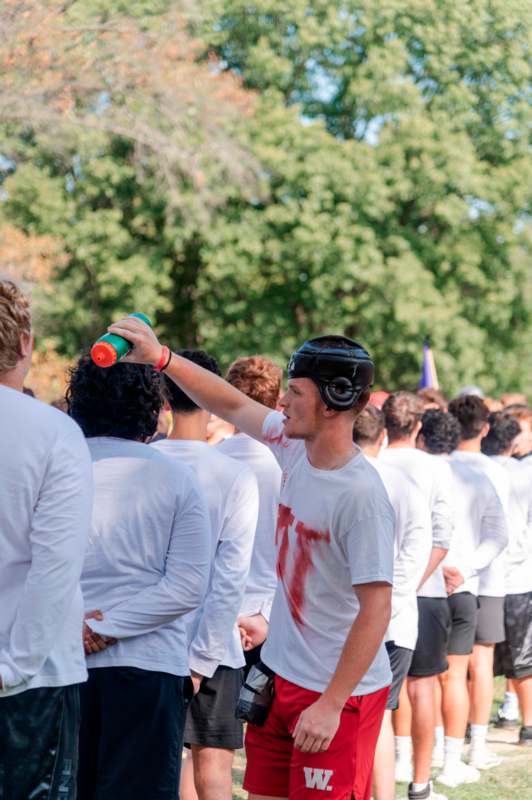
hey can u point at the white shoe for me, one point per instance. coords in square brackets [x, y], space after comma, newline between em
[403, 771]
[463, 773]
[438, 758]
[426, 794]
[484, 759]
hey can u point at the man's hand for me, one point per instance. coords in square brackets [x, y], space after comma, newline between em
[316, 727]
[93, 642]
[146, 347]
[253, 631]
[196, 679]
[453, 579]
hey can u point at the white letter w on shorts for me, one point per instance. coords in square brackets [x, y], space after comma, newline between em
[318, 778]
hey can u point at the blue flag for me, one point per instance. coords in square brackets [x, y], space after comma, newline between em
[429, 377]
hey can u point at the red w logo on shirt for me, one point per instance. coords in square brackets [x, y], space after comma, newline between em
[294, 583]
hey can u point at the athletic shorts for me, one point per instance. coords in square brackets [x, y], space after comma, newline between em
[275, 768]
[430, 654]
[513, 657]
[464, 611]
[400, 660]
[211, 720]
[131, 737]
[39, 744]
[490, 620]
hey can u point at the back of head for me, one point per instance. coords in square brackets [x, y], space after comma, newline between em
[122, 401]
[402, 410]
[440, 431]
[471, 413]
[15, 319]
[503, 431]
[341, 369]
[179, 402]
[432, 398]
[368, 426]
[257, 377]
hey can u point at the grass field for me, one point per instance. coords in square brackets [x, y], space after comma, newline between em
[511, 781]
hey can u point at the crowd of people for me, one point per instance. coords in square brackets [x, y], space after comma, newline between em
[170, 538]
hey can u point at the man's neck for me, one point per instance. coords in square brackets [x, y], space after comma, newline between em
[470, 445]
[371, 450]
[398, 443]
[330, 450]
[14, 379]
[192, 427]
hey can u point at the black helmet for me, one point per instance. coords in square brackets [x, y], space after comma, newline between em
[340, 368]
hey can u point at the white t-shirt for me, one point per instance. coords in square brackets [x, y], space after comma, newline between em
[413, 545]
[148, 559]
[262, 579]
[480, 532]
[335, 530]
[519, 552]
[432, 476]
[232, 497]
[45, 508]
[491, 580]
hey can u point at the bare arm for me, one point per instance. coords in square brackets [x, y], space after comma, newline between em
[205, 389]
[318, 724]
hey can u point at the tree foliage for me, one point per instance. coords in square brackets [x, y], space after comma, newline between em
[367, 171]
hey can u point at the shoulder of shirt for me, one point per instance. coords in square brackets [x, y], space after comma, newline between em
[51, 421]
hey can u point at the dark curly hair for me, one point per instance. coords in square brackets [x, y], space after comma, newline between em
[441, 431]
[178, 401]
[122, 401]
[502, 432]
[471, 412]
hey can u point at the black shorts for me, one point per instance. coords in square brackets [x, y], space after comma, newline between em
[39, 744]
[400, 660]
[430, 655]
[513, 657]
[211, 720]
[490, 620]
[464, 611]
[131, 737]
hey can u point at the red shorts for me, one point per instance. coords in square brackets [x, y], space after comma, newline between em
[276, 768]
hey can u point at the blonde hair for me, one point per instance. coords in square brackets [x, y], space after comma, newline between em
[15, 319]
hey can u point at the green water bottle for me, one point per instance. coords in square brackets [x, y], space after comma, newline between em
[110, 348]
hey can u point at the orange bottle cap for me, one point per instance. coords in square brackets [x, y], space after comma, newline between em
[103, 354]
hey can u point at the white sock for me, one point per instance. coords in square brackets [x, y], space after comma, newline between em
[510, 705]
[439, 737]
[453, 753]
[418, 787]
[403, 748]
[479, 734]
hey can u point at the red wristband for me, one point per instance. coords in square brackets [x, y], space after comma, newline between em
[164, 359]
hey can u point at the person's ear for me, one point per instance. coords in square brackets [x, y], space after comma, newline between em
[417, 428]
[26, 343]
[485, 430]
[382, 436]
[420, 442]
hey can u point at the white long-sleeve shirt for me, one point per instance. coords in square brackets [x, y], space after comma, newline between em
[432, 476]
[491, 578]
[413, 544]
[262, 578]
[45, 507]
[519, 552]
[231, 492]
[481, 532]
[148, 558]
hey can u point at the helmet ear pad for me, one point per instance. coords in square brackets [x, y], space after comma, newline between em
[339, 394]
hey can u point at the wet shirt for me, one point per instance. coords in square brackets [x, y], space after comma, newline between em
[335, 530]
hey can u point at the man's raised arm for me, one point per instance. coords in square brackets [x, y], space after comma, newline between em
[205, 389]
